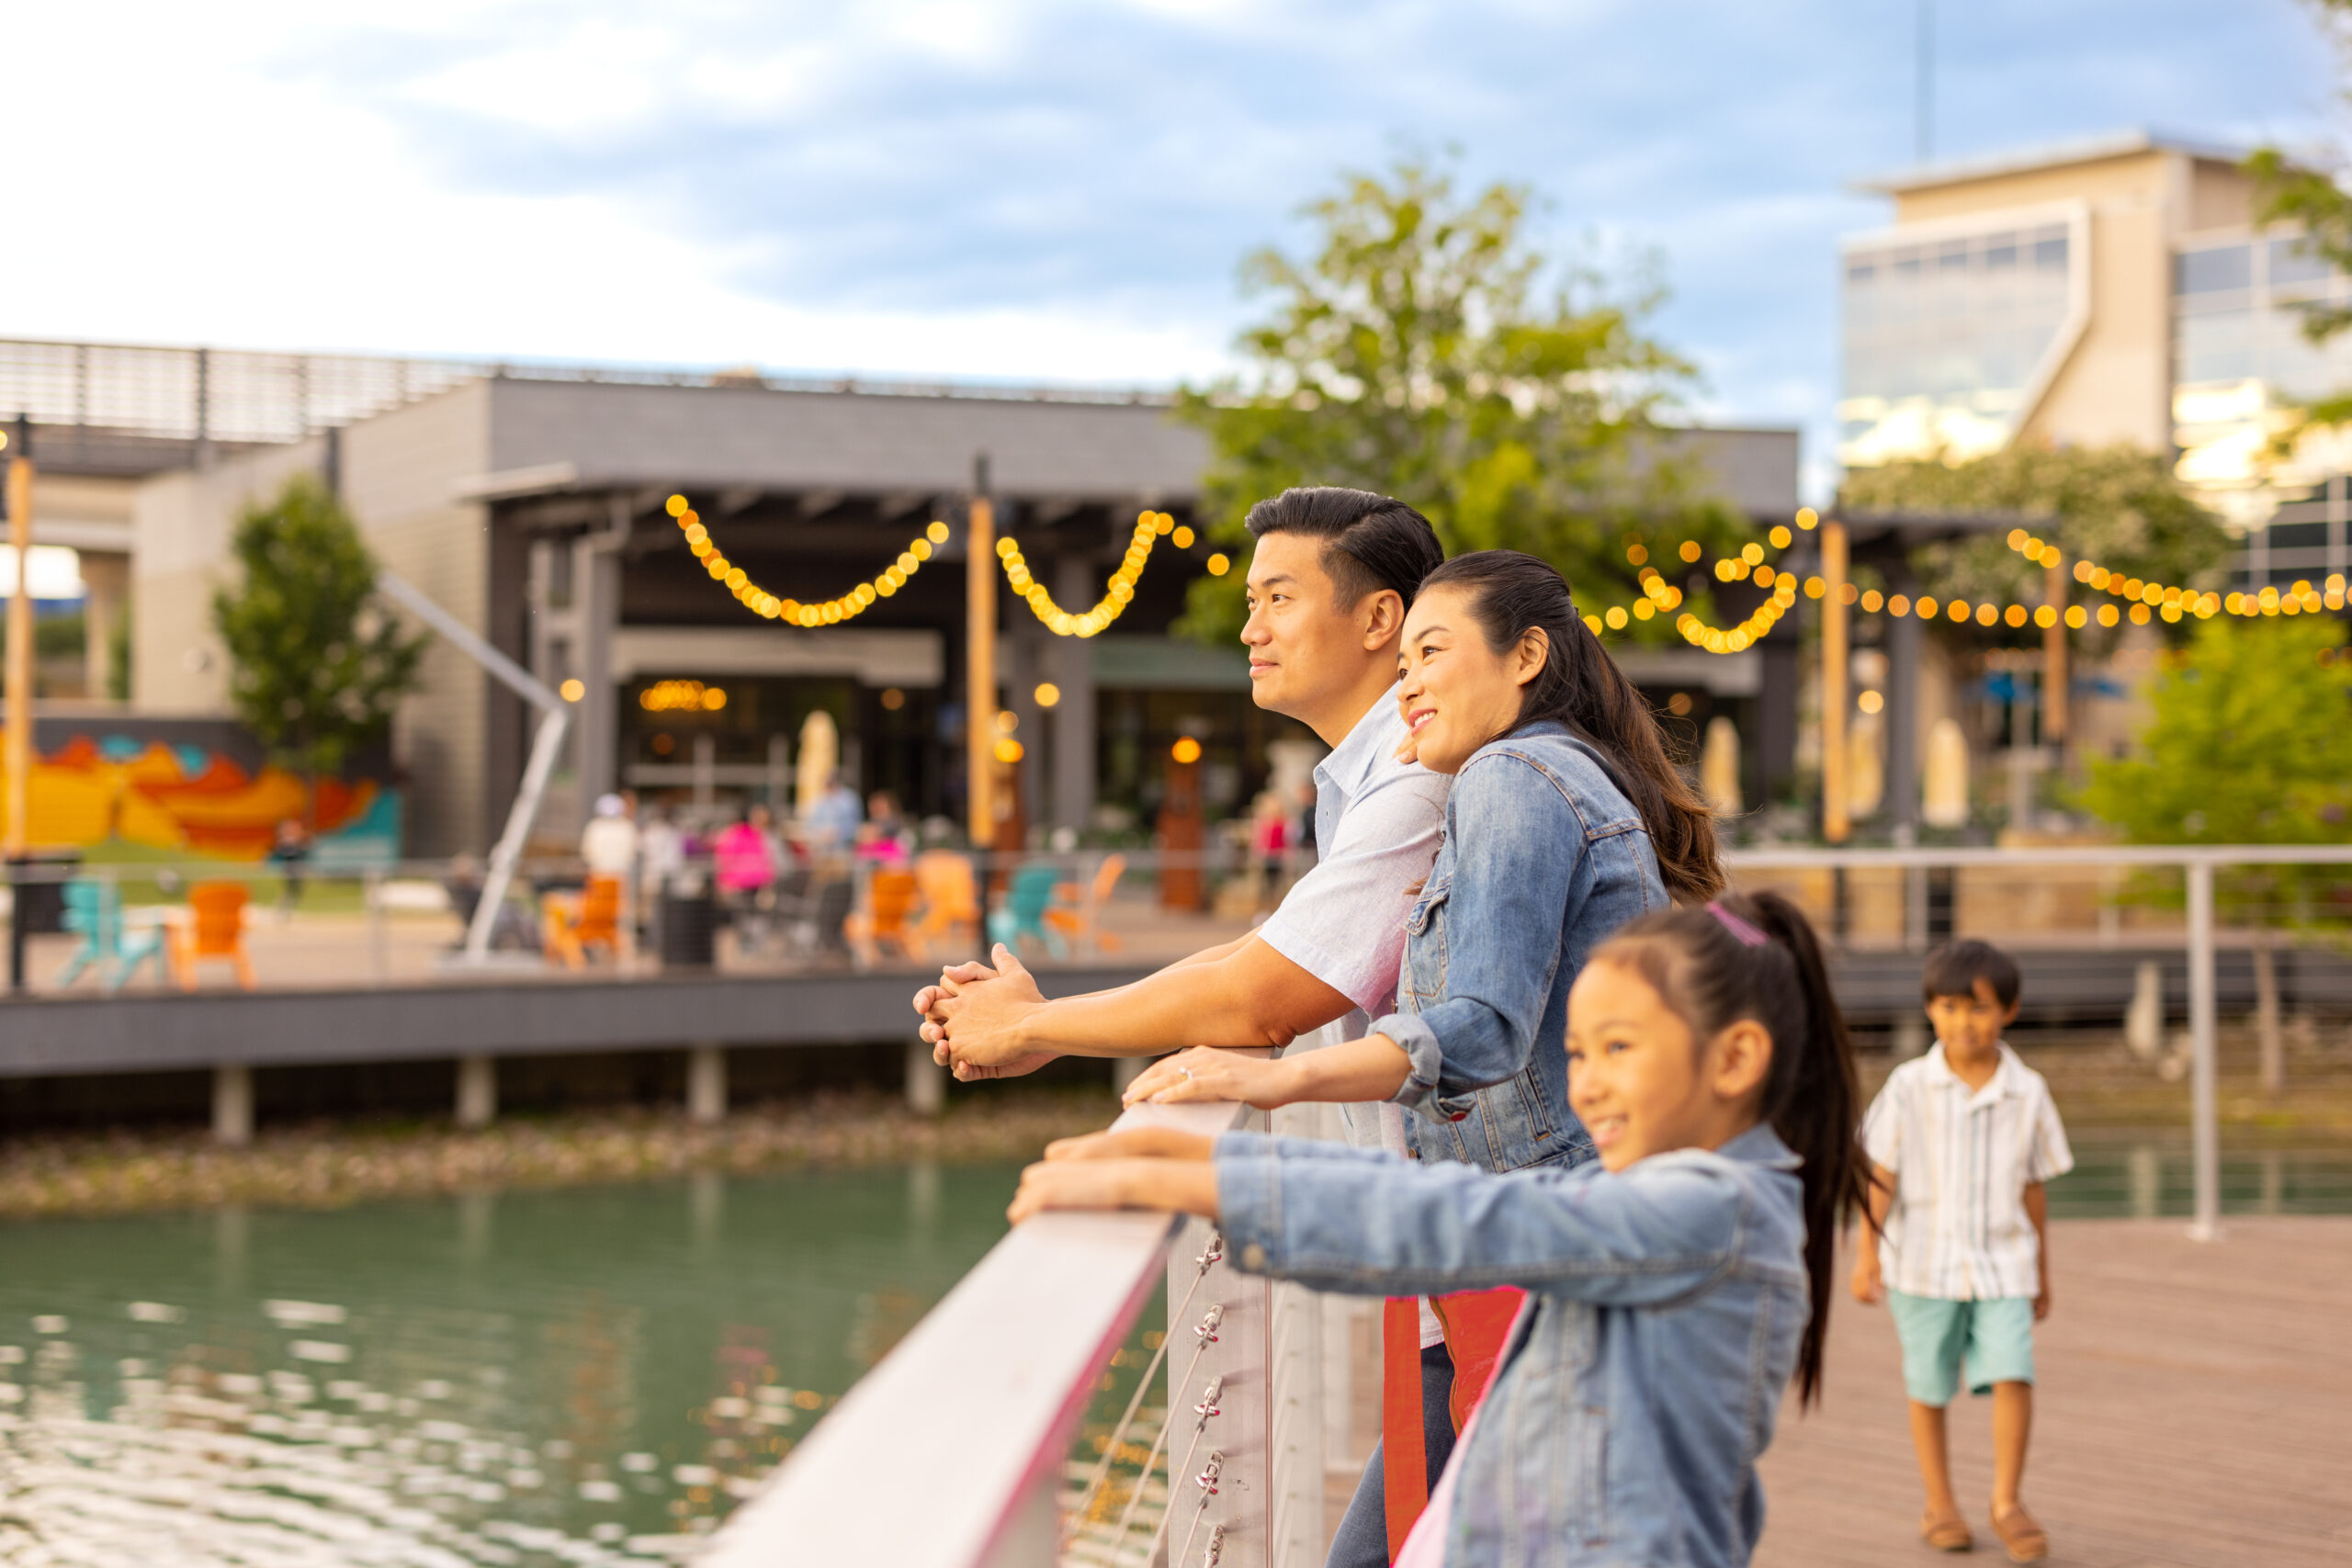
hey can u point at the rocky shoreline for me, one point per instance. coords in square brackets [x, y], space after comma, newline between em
[330, 1164]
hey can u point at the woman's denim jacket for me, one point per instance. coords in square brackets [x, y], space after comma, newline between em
[1666, 1304]
[1543, 857]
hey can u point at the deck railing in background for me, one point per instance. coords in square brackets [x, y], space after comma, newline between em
[2198, 866]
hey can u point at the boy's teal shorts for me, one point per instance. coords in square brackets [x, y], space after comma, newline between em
[1994, 1339]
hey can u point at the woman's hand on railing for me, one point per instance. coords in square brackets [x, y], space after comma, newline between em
[1171, 1186]
[1207, 1072]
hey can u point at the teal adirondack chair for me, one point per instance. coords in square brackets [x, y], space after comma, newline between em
[1019, 920]
[93, 909]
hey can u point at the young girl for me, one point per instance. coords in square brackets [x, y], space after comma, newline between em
[1674, 1287]
[1565, 820]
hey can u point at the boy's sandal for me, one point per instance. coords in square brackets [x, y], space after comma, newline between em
[1946, 1533]
[2025, 1541]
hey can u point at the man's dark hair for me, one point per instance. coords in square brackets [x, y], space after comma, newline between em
[1954, 968]
[1370, 542]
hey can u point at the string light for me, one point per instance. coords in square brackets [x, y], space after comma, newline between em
[830, 611]
[1149, 527]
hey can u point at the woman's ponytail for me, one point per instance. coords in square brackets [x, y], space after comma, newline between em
[1754, 955]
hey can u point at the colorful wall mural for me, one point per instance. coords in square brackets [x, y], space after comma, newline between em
[196, 800]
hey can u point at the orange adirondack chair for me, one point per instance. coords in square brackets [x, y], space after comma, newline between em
[1081, 921]
[212, 933]
[891, 898]
[592, 918]
[951, 904]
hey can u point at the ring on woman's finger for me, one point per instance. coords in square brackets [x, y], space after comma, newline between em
[1185, 1073]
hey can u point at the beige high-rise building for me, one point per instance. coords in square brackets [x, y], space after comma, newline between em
[2110, 291]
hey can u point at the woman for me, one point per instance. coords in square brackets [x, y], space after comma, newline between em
[1565, 820]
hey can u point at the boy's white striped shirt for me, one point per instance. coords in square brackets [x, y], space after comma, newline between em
[1961, 1160]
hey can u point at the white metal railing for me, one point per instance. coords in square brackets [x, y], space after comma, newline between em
[951, 1452]
[2198, 864]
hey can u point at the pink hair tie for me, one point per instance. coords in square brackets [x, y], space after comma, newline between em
[1747, 935]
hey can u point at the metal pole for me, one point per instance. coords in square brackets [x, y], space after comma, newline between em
[979, 701]
[2204, 1125]
[1836, 820]
[2054, 661]
[19, 695]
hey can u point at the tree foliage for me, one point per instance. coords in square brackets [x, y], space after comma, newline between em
[2116, 505]
[317, 664]
[2292, 190]
[1428, 351]
[2251, 744]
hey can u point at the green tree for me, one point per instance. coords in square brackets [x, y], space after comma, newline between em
[317, 663]
[2290, 190]
[1428, 351]
[2118, 506]
[2251, 744]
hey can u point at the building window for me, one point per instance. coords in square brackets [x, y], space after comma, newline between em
[1946, 337]
[2239, 354]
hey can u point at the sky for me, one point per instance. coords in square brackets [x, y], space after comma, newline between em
[1023, 190]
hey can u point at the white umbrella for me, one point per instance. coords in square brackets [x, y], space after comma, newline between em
[820, 751]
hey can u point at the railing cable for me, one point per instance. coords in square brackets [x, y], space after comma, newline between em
[1210, 1257]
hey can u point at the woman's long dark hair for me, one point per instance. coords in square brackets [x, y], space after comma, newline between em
[1712, 975]
[1581, 687]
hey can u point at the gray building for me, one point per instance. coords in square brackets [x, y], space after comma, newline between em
[531, 503]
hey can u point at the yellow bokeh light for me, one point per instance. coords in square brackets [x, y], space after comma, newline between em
[1871, 602]
[573, 691]
[1182, 538]
[1007, 721]
[1807, 517]
[1780, 535]
[1047, 694]
[1870, 702]
[2139, 614]
[936, 533]
[1898, 605]
[1008, 750]
[677, 504]
[1616, 618]
[714, 698]
[1158, 522]
[2106, 615]
[1186, 750]
[2013, 614]
[1957, 611]
[1691, 550]
[1218, 566]
[1638, 554]
[1814, 588]
[1753, 554]
[2045, 617]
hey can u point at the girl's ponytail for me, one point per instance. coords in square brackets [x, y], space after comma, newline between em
[1753, 955]
[1816, 1111]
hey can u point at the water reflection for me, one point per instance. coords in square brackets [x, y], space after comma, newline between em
[509, 1380]
[2151, 1176]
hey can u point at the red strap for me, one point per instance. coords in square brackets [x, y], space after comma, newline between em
[1404, 1469]
[1476, 1324]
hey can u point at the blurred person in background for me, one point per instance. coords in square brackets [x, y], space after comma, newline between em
[833, 817]
[609, 845]
[288, 851]
[885, 836]
[744, 864]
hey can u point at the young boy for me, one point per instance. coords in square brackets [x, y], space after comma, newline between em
[1960, 1141]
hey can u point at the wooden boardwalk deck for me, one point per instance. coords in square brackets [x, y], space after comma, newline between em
[2194, 1411]
[2193, 1408]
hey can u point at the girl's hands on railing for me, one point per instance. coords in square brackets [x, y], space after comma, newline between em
[1133, 1142]
[1207, 1072]
[1172, 1186]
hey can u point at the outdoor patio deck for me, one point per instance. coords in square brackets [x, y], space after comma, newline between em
[2194, 1409]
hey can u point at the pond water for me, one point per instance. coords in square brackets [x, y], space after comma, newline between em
[582, 1376]
[587, 1376]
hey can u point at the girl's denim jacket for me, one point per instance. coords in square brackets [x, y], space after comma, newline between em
[1665, 1308]
[1543, 857]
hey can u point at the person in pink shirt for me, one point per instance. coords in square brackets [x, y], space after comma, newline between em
[744, 862]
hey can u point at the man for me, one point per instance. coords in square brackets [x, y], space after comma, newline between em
[1329, 579]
